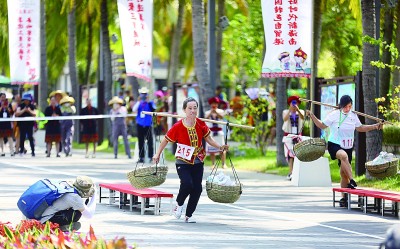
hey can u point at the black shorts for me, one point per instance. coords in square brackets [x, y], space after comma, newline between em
[334, 148]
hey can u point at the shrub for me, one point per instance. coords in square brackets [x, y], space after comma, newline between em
[391, 134]
[31, 234]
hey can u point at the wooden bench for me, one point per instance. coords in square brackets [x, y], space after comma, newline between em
[138, 198]
[364, 195]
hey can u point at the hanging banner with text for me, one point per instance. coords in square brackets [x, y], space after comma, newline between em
[24, 41]
[288, 38]
[136, 22]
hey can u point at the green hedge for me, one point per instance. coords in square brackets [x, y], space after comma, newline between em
[391, 135]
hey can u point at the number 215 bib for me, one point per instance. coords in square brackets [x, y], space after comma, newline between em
[184, 151]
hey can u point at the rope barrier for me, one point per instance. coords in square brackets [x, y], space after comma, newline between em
[67, 117]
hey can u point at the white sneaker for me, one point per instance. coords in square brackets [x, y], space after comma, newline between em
[190, 219]
[178, 211]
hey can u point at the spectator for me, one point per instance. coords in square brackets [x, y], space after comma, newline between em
[26, 109]
[119, 125]
[293, 120]
[144, 123]
[67, 126]
[5, 127]
[69, 208]
[53, 128]
[161, 106]
[58, 95]
[237, 104]
[130, 121]
[16, 101]
[89, 127]
[223, 100]
[272, 127]
[217, 133]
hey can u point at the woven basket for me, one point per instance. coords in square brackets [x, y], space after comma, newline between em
[147, 177]
[310, 150]
[223, 194]
[383, 170]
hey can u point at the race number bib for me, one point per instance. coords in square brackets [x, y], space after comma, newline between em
[346, 142]
[184, 151]
[4, 114]
[294, 130]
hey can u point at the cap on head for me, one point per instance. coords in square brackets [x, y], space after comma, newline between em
[27, 96]
[144, 90]
[213, 100]
[83, 185]
[293, 98]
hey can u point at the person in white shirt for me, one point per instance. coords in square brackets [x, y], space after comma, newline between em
[293, 121]
[342, 123]
[69, 208]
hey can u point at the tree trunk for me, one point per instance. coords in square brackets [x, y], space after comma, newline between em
[72, 52]
[317, 43]
[107, 70]
[90, 48]
[280, 106]
[386, 55]
[368, 77]
[106, 51]
[175, 47]
[43, 87]
[218, 46]
[199, 50]
[396, 72]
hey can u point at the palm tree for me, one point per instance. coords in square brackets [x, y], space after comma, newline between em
[368, 76]
[43, 86]
[396, 73]
[175, 47]
[199, 49]
[218, 45]
[106, 50]
[386, 54]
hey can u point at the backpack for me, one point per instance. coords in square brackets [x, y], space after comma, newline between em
[38, 197]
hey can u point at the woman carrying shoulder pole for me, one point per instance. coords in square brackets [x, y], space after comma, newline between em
[342, 123]
[188, 134]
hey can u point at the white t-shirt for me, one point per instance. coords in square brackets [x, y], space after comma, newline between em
[67, 201]
[342, 127]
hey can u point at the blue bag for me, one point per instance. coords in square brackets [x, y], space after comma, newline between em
[38, 197]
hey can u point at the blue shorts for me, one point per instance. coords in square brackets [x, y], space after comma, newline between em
[334, 148]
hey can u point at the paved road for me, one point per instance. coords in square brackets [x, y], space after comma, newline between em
[270, 213]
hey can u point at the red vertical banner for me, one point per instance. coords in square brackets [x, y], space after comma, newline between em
[24, 41]
[136, 22]
[288, 37]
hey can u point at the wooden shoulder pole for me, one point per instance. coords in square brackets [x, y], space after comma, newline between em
[164, 114]
[356, 112]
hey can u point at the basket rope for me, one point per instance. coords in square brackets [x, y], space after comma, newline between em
[309, 150]
[148, 136]
[219, 193]
[145, 177]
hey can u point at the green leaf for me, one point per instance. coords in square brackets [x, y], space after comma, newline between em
[9, 233]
